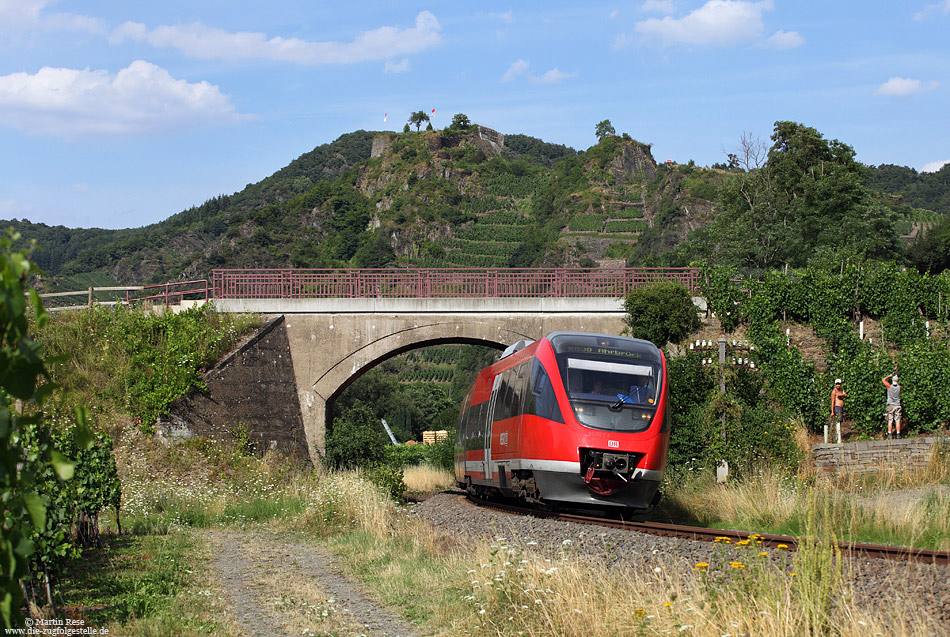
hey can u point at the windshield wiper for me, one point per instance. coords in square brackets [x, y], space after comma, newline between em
[617, 406]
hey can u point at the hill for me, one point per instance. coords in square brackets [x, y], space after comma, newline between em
[468, 196]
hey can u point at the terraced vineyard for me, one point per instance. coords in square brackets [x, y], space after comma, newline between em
[488, 242]
[625, 220]
[427, 365]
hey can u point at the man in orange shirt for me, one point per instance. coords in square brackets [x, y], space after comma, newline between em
[837, 407]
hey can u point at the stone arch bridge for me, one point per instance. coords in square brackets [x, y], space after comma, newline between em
[280, 385]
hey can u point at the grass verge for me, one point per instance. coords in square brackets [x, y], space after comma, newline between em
[156, 583]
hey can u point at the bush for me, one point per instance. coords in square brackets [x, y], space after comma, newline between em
[442, 454]
[661, 313]
[388, 479]
[357, 440]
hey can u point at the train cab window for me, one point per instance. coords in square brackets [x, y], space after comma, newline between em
[612, 395]
[540, 400]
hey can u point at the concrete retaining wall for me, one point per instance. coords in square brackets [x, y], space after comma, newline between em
[873, 455]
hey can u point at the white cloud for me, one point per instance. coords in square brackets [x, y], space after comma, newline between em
[552, 76]
[20, 13]
[785, 40]
[397, 67]
[516, 70]
[12, 209]
[81, 104]
[30, 15]
[904, 86]
[520, 68]
[507, 17]
[658, 6]
[941, 7]
[620, 41]
[199, 41]
[718, 22]
[934, 166]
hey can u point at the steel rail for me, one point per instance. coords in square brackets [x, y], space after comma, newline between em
[855, 549]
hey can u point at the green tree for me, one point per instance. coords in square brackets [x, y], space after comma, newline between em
[461, 121]
[806, 199]
[931, 252]
[603, 129]
[418, 118]
[661, 313]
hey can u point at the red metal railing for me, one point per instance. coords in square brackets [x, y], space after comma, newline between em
[443, 283]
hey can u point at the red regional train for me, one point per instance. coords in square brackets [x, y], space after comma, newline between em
[574, 418]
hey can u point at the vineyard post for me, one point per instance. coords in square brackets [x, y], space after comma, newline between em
[722, 379]
[722, 470]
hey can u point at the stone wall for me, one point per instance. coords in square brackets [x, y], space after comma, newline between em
[873, 455]
[253, 388]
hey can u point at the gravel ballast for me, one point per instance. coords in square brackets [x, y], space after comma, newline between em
[922, 589]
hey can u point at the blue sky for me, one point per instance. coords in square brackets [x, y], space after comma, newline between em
[119, 114]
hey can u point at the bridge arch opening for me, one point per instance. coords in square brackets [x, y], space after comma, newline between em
[403, 350]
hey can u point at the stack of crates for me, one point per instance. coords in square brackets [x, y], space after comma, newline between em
[432, 437]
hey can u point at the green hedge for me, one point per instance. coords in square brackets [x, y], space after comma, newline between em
[587, 222]
[634, 225]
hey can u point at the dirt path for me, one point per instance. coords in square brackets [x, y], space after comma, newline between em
[281, 585]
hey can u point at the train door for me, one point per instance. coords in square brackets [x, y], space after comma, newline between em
[489, 416]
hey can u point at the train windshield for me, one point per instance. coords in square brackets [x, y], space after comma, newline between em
[612, 395]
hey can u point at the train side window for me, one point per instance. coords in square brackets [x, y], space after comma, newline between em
[542, 401]
[503, 398]
[522, 383]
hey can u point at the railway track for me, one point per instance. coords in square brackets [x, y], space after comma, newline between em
[855, 549]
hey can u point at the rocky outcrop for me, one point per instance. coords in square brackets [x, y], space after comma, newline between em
[382, 145]
[634, 164]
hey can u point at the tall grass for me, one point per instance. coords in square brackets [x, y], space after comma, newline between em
[424, 478]
[859, 507]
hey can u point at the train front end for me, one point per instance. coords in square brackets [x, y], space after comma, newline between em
[615, 411]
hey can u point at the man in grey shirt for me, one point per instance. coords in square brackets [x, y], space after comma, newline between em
[892, 413]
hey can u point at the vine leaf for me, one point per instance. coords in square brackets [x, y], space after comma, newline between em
[36, 509]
